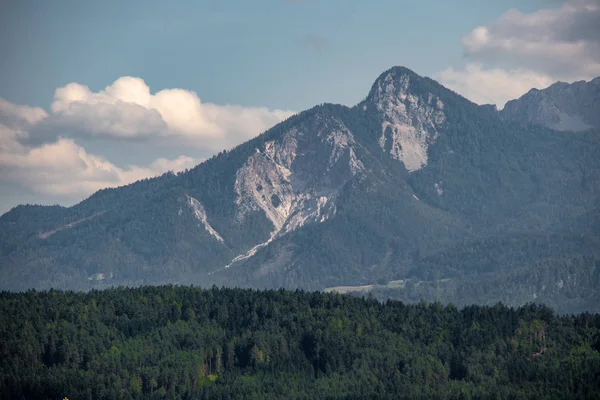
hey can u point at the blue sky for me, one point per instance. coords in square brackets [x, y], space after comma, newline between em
[279, 54]
[79, 108]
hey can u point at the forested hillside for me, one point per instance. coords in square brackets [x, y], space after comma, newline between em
[185, 343]
[561, 106]
[567, 284]
[414, 183]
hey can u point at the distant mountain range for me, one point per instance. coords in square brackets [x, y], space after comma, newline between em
[414, 193]
[562, 106]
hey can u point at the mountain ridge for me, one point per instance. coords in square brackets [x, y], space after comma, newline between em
[561, 106]
[332, 196]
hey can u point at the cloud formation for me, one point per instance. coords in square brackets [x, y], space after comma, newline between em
[39, 153]
[524, 50]
[127, 109]
[62, 169]
[15, 114]
[563, 42]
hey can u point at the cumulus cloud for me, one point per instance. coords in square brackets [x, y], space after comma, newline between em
[563, 42]
[66, 170]
[127, 109]
[40, 154]
[62, 169]
[16, 115]
[520, 51]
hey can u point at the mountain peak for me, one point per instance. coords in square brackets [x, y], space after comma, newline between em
[399, 70]
[411, 115]
[395, 81]
[561, 106]
[400, 82]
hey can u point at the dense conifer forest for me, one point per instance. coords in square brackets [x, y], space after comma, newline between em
[181, 342]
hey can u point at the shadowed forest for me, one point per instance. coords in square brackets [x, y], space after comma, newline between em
[190, 343]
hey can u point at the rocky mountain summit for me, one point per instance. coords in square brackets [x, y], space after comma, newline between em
[562, 106]
[415, 184]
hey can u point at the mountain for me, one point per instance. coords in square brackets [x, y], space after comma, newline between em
[562, 106]
[415, 182]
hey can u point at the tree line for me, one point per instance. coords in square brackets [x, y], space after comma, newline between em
[182, 342]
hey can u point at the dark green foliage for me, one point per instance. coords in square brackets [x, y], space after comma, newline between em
[186, 343]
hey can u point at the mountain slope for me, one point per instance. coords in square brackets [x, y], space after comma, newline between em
[414, 181]
[562, 106]
[489, 187]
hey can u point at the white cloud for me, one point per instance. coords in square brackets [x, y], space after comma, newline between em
[492, 86]
[14, 114]
[62, 169]
[563, 42]
[127, 109]
[39, 153]
[66, 170]
[520, 51]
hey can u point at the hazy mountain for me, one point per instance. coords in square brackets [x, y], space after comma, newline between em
[562, 106]
[415, 182]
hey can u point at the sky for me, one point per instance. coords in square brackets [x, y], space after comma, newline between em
[101, 93]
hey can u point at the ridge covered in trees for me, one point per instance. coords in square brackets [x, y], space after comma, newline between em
[186, 343]
[501, 212]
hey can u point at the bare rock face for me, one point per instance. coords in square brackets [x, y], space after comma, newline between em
[562, 106]
[410, 122]
[295, 178]
[200, 214]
